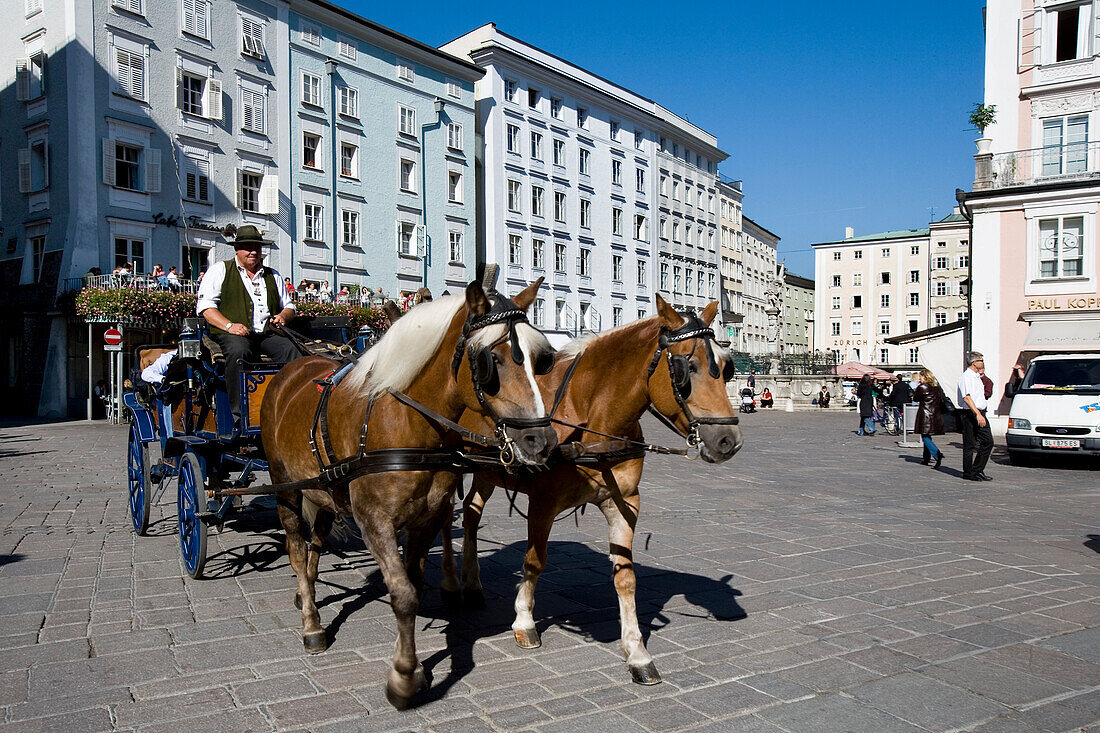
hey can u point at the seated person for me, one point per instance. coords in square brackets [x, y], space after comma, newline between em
[154, 373]
[823, 396]
[766, 398]
[239, 298]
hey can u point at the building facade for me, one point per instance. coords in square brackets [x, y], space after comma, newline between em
[758, 259]
[387, 123]
[798, 314]
[948, 269]
[1034, 268]
[571, 188]
[731, 268]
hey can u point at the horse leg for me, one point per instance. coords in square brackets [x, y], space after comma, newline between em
[480, 491]
[406, 676]
[322, 525]
[449, 589]
[290, 515]
[622, 515]
[540, 519]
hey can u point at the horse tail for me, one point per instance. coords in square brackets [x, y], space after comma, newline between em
[341, 531]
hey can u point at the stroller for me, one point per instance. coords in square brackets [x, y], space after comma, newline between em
[748, 404]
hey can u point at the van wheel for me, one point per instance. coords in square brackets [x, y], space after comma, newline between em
[1019, 458]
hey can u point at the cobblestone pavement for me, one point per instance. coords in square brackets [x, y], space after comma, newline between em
[817, 582]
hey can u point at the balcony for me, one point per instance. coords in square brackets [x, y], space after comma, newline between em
[1054, 164]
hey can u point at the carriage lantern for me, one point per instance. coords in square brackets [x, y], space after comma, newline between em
[190, 344]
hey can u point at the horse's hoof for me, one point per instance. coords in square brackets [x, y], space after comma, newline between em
[473, 598]
[527, 638]
[646, 674]
[298, 600]
[404, 702]
[315, 642]
[452, 599]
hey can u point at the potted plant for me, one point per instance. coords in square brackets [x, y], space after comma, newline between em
[982, 117]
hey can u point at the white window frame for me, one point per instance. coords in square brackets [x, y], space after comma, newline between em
[642, 275]
[124, 81]
[617, 268]
[538, 201]
[1086, 283]
[347, 48]
[586, 214]
[253, 108]
[641, 227]
[834, 326]
[561, 206]
[454, 186]
[559, 152]
[584, 161]
[195, 18]
[313, 221]
[538, 253]
[309, 33]
[405, 243]
[349, 227]
[561, 257]
[536, 145]
[195, 165]
[351, 171]
[311, 94]
[515, 196]
[405, 71]
[511, 140]
[455, 246]
[252, 36]
[616, 221]
[511, 90]
[349, 102]
[454, 90]
[406, 176]
[406, 120]
[515, 250]
[318, 151]
[241, 173]
[454, 135]
[939, 318]
[639, 180]
[30, 77]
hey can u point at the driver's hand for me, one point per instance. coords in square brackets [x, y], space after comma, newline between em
[238, 329]
[278, 320]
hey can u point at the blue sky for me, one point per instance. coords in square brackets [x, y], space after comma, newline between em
[833, 114]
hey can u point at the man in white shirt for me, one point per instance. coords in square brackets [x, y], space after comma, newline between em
[239, 305]
[977, 437]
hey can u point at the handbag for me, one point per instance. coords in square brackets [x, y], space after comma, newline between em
[946, 405]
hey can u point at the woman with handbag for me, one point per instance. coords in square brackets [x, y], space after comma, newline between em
[929, 398]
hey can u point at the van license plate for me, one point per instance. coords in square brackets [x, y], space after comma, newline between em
[1055, 443]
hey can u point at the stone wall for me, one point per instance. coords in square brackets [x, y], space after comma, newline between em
[802, 388]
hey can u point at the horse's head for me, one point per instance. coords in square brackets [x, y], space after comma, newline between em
[687, 381]
[495, 366]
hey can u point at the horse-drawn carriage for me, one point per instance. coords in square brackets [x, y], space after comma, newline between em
[184, 428]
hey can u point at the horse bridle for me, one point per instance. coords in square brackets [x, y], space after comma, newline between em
[483, 371]
[679, 373]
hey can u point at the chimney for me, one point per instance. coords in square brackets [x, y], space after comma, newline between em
[849, 232]
[958, 211]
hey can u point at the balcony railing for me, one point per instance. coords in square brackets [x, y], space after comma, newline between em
[137, 282]
[1072, 162]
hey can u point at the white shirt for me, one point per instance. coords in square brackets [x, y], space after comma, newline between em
[154, 373]
[210, 292]
[970, 383]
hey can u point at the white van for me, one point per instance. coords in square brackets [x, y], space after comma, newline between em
[1056, 408]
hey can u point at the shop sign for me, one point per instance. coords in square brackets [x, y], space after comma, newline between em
[1064, 303]
[191, 222]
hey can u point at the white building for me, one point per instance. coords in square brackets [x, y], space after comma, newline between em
[731, 267]
[758, 261]
[570, 188]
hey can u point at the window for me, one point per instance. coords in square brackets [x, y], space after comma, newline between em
[252, 108]
[540, 312]
[617, 268]
[914, 276]
[311, 89]
[453, 89]
[1065, 145]
[30, 77]
[407, 179]
[454, 136]
[559, 207]
[196, 178]
[30, 7]
[312, 224]
[884, 278]
[885, 251]
[914, 355]
[34, 170]
[836, 256]
[1061, 250]
[127, 249]
[884, 356]
[616, 172]
[454, 187]
[559, 257]
[940, 318]
[940, 288]
[127, 167]
[406, 230]
[586, 214]
[454, 240]
[641, 229]
[884, 328]
[915, 249]
[664, 228]
[641, 273]
[677, 279]
[309, 33]
[532, 97]
[615, 130]
[536, 146]
[857, 301]
[510, 90]
[515, 249]
[675, 190]
[857, 279]
[676, 231]
[639, 139]
[834, 327]
[251, 189]
[513, 139]
[884, 300]
[311, 144]
[351, 227]
[639, 180]
[939, 263]
[406, 122]
[617, 221]
[252, 37]
[538, 254]
[559, 152]
[664, 276]
[583, 159]
[836, 281]
[537, 197]
[1069, 33]
[555, 108]
[515, 190]
[941, 245]
[196, 18]
[130, 72]
[616, 316]
[857, 327]
[349, 160]
[349, 102]
[964, 261]
[583, 262]
[582, 118]
[857, 255]
[913, 325]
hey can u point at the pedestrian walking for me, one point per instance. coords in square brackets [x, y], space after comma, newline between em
[865, 393]
[977, 437]
[929, 399]
[751, 381]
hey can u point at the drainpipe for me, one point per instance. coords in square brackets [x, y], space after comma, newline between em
[439, 104]
[968, 338]
[330, 69]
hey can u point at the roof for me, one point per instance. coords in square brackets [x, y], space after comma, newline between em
[766, 231]
[927, 333]
[881, 236]
[798, 280]
[952, 217]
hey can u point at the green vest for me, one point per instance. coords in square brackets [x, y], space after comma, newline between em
[236, 304]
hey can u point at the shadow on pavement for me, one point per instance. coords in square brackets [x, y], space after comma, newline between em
[1093, 542]
[9, 559]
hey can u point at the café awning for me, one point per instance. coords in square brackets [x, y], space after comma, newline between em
[1048, 332]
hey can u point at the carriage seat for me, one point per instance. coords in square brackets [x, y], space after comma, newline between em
[216, 355]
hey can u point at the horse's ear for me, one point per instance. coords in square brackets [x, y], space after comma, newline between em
[392, 311]
[709, 312]
[476, 303]
[526, 297]
[669, 317]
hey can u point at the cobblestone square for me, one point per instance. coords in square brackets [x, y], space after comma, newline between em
[818, 581]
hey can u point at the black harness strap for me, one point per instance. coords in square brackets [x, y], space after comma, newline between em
[483, 440]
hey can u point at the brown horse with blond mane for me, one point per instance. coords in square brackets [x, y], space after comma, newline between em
[442, 355]
[668, 361]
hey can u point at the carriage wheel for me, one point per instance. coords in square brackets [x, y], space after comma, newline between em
[190, 500]
[138, 476]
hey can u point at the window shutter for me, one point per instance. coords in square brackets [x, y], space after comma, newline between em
[1030, 40]
[22, 80]
[397, 235]
[240, 185]
[421, 241]
[109, 161]
[152, 170]
[24, 170]
[38, 75]
[269, 194]
[201, 19]
[191, 182]
[247, 115]
[179, 88]
[137, 76]
[45, 165]
[212, 104]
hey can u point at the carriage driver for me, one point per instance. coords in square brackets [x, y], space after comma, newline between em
[238, 309]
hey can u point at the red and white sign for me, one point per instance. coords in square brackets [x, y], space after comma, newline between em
[112, 337]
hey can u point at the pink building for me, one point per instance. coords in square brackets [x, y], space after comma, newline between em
[1034, 267]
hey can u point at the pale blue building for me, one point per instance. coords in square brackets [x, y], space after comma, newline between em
[382, 149]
